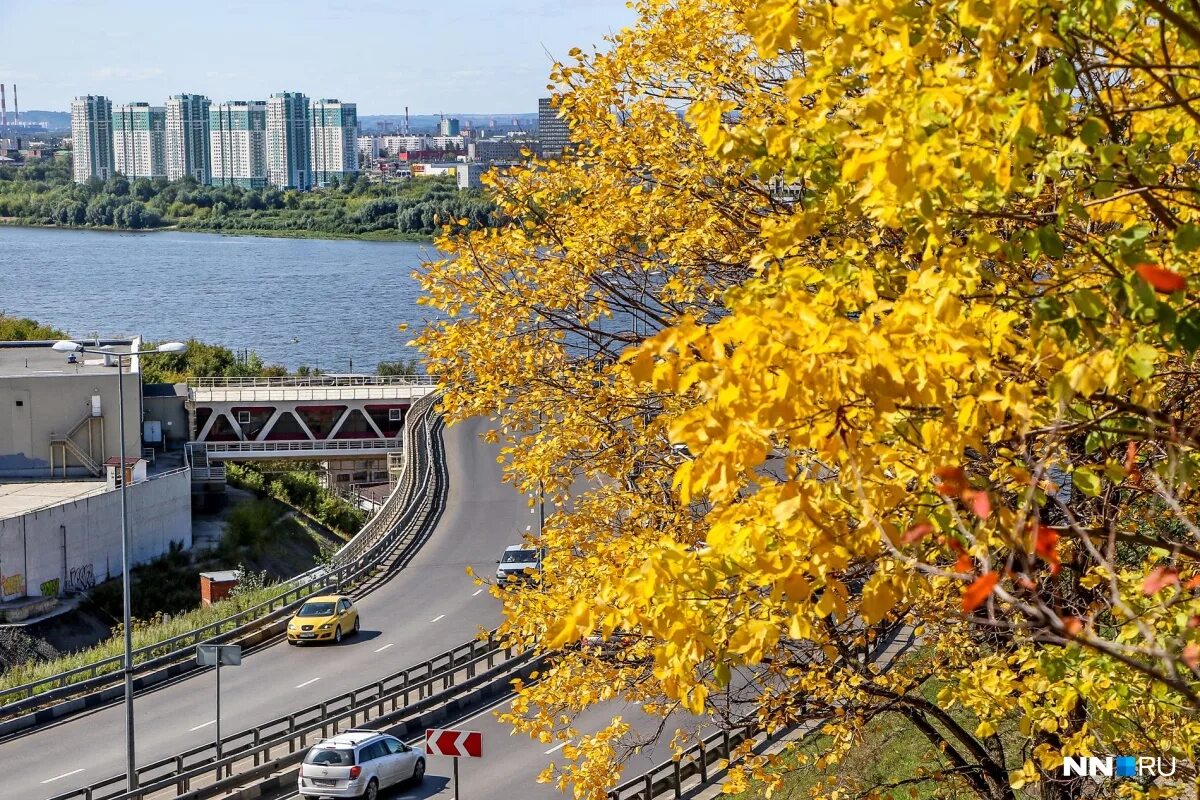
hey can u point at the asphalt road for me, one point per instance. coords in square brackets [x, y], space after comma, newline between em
[430, 607]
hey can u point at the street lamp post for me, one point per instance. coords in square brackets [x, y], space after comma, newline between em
[169, 347]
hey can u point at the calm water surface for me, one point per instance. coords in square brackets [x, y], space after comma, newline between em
[293, 301]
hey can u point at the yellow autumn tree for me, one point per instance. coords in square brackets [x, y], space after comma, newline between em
[849, 322]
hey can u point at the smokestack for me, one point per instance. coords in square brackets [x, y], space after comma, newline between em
[3, 109]
[406, 120]
[16, 108]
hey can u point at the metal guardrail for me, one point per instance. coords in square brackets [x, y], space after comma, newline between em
[395, 691]
[667, 778]
[296, 445]
[397, 520]
[289, 381]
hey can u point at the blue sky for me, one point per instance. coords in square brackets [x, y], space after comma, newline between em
[459, 56]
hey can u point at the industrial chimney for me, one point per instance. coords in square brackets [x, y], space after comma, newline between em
[16, 108]
[3, 109]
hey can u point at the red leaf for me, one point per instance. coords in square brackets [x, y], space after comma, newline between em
[1162, 279]
[978, 592]
[952, 480]
[1045, 544]
[1131, 456]
[916, 532]
[1194, 621]
[964, 564]
[1191, 656]
[1193, 583]
[1026, 582]
[981, 504]
[1073, 625]
[1158, 579]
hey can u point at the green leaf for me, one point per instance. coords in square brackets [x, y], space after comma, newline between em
[1092, 132]
[1088, 304]
[1140, 359]
[1063, 74]
[1052, 245]
[1187, 238]
[1086, 481]
[1187, 331]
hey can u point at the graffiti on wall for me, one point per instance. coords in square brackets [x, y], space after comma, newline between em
[49, 588]
[12, 585]
[80, 579]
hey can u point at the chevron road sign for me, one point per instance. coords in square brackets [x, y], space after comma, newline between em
[459, 744]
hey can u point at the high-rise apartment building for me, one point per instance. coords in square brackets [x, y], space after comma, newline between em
[91, 138]
[554, 135]
[333, 134]
[237, 136]
[139, 142]
[289, 144]
[188, 138]
[448, 127]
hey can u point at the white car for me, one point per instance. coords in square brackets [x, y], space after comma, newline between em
[359, 763]
[519, 563]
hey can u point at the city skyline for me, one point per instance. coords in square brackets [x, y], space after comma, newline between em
[485, 59]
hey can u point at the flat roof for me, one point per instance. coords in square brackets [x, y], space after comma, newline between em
[20, 497]
[34, 359]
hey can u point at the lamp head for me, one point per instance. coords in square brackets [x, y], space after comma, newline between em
[172, 347]
[66, 346]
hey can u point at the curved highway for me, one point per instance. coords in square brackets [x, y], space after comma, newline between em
[429, 607]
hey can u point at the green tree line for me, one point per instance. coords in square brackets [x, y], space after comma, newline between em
[43, 193]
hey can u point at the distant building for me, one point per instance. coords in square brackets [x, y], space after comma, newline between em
[333, 133]
[289, 141]
[554, 134]
[237, 133]
[91, 137]
[188, 137]
[448, 127]
[433, 170]
[454, 142]
[139, 145]
[485, 150]
[368, 148]
[469, 175]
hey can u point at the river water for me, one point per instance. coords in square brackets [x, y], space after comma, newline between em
[324, 303]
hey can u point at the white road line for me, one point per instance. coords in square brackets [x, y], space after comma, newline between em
[385, 647]
[306, 683]
[64, 775]
[205, 725]
[477, 591]
[559, 747]
[439, 616]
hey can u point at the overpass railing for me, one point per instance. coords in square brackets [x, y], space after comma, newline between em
[298, 445]
[397, 524]
[289, 381]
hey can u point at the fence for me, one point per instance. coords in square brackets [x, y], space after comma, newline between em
[397, 524]
[392, 694]
[312, 380]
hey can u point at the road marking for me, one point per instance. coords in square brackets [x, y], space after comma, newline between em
[477, 591]
[559, 747]
[64, 775]
[306, 683]
[385, 647]
[205, 725]
[439, 616]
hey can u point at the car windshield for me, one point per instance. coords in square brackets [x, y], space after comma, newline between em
[327, 757]
[519, 557]
[316, 610]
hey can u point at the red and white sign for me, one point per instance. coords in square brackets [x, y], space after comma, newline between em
[460, 744]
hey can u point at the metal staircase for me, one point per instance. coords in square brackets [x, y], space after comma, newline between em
[67, 445]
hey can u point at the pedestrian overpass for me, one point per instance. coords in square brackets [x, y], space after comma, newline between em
[301, 417]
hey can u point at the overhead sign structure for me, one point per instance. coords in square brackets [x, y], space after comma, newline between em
[456, 744]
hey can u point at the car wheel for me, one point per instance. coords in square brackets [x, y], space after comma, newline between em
[419, 772]
[372, 790]
[357, 624]
[337, 635]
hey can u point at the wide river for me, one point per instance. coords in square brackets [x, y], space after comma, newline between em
[324, 303]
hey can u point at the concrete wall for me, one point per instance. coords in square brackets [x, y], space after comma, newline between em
[54, 404]
[75, 545]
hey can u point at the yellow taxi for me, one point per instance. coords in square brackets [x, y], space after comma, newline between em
[324, 618]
